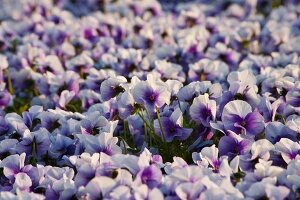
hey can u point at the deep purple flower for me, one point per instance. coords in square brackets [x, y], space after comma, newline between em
[172, 127]
[233, 145]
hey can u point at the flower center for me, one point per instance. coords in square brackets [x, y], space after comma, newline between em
[152, 97]
[202, 76]
[243, 123]
[208, 112]
[172, 129]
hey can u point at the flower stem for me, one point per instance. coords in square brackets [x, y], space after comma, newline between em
[146, 124]
[124, 143]
[125, 129]
[160, 125]
[143, 118]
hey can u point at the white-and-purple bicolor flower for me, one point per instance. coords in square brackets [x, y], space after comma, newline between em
[203, 110]
[112, 87]
[233, 145]
[239, 117]
[288, 149]
[152, 94]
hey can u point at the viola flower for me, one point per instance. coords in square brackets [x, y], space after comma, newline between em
[104, 142]
[277, 192]
[189, 190]
[99, 187]
[22, 182]
[65, 98]
[16, 122]
[288, 149]
[50, 63]
[69, 80]
[225, 54]
[92, 124]
[238, 117]
[89, 97]
[7, 147]
[49, 120]
[169, 70]
[5, 98]
[4, 65]
[14, 165]
[151, 94]
[233, 145]
[276, 130]
[293, 123]
[203, 110]
[112, 87]
[208, 156]
[293, 95]
[172, 127]
[96, 77]
[81, 63]
[151, 176]
[243, 86]
[125, 105]
[261, 149]
[61, 145]
[292, 172]
[34, 143]
[129, 60]
[63, 188]
[5, 127]
[206, 69]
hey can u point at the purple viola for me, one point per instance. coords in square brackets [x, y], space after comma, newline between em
[203, 110]
[233, 145]
[152, 94]
[14, 165]
[288, 149]
[293, 96]
[112, 87]
[34, 143]
[151, 176]
[172, 127]
[239, 117]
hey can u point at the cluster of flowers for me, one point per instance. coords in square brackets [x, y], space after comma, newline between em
[143, 100]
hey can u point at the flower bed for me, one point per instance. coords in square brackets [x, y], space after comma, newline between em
[150, 100]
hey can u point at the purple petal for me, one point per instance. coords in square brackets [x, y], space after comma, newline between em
[254, 123]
